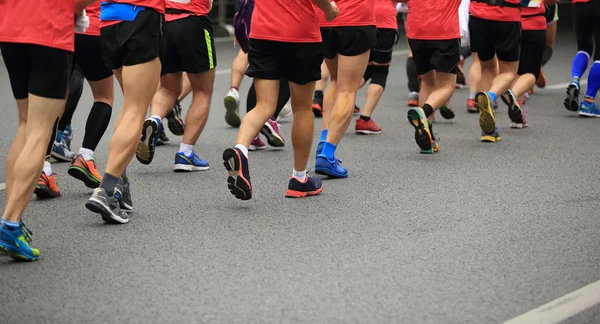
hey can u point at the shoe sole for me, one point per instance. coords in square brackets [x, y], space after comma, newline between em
[17, 254]
[43, 192]
[188, 168]
[145, 150]
[328, 172]
[367, 132]
[422, 136]
[176, 125]
[447, 113]
[490, 138]
[515, 113]
[255, 148]
[572, 100]
[412, 103]
[84, 176]
[232, 118]
[60, 158]
[487, 122]
[239, 186]
[273, 138]
[108, 216]
[301, 194]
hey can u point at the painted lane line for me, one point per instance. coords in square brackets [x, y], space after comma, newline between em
[562, 308]
[2, 186]
[563, 85]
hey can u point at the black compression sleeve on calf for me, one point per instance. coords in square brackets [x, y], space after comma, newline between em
[379, 74]
[96, 125]
[75, 90]
[411, 73]
[283, 96]
[251, 98]
[368, 73]
[49, 148]
[547, 55]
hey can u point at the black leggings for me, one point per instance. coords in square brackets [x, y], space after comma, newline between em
[586, 17]
[284, 96]
[75, 90]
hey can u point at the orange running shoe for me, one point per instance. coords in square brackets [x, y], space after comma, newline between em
[46, 187]
[541, 80]
[366, 127]
[86, 171]
[472, 106]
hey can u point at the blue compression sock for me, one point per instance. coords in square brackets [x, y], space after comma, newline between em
[323, 135]
[492, 96]
[593, 80]
[329, 151]
[580, 63]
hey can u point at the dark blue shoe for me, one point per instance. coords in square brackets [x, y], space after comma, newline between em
[148, 141]
[15, 242]
[329, 168]
[298, 189]
[238, 180]
[189, 163]
[320, 148]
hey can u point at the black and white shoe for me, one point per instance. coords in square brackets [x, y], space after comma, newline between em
[107, 206]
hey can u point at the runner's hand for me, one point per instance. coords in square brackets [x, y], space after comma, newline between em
[332, 12]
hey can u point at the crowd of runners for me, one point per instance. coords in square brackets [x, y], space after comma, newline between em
[307, 58]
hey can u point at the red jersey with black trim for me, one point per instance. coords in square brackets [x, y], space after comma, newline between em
[48, 23]
[352, 13]
[93, 13]
[537, 22]
[293, 21]
[198, 7]
[433, 19]
[489, 12]
[385, 14]
[158, 5]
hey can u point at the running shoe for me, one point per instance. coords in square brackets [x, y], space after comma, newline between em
[413, 99]
[356, 110]
[320, 148]
[123, 195]
[330, 168]
[285, 112]
[46, 187]
[588, 109]
[416, 117]
[271, 131]
[147, 144]
[541, 80]
[107, 206]
[85, 171]
[232, 105]
[175, 120]
[163, 139]
[14, 241]
[366, 127]
[487, 121]
[68, 135]
[472, 106]
[572, 99]
[238, 180]
[491, 137]
[317, 106]
[257, 144]
[523, 124]
[515, 113]
[447, 112]
[27, 233]
[61, 152]
[189, 163]
[298, 189]
[461, 80]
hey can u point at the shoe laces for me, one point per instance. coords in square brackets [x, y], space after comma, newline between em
[27, 233]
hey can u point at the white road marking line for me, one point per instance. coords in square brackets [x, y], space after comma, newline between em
[2, 186]
[562, 308]
[563, 85]
[394, 53]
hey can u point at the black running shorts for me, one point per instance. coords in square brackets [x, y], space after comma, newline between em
[533, 46]
[439, 55]
[39, 70]
[382, 52]
[490, 38]
[189, 46]
[88, 55]
[132, 42]
[300, 63]
[348, 41]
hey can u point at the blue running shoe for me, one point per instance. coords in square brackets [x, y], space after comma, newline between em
[572, 99]
[193, 162]
[61, 152]
[14, 241]
[298, 189]
[329, 168]
[148, 141]
[320, 148]
[588, 108]
[238, 180]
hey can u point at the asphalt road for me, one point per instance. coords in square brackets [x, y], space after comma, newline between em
[479, 233]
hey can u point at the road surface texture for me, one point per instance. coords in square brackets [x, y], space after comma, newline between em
[478, 233]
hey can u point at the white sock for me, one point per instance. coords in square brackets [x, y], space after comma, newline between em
[186, 149]
[87, 154]
[243, 149]
[300, 175]
[156, 116]
[47, 168]
[472, 95]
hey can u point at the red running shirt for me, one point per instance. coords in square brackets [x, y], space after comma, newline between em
[533, 23]
[93, 13]
[48, 23]
[433, 19]
[198, 7]
[488, 12]
[352, 13]
[158, 5]
[385, 14]
[292, 21]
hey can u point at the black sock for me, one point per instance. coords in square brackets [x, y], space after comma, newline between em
[109, 182]
[428, 110]
[318, 94]
[365, 118]
[96, 125]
